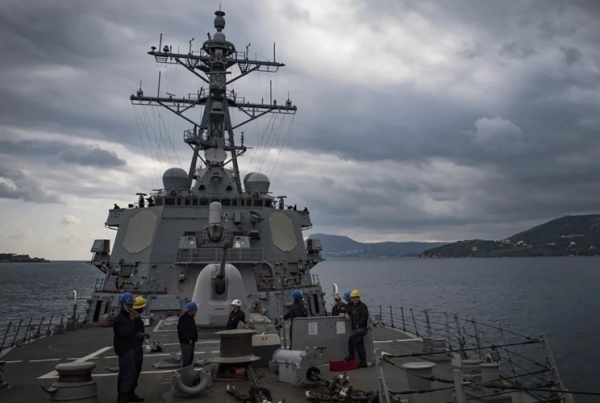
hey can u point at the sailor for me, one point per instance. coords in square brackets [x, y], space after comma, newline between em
[124, 345]
[187, 333]
[358, 315]
[236, 315]
[348, 300]
[139, 303]
[296, 310]
[339, 308]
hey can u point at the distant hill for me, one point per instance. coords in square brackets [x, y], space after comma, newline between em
[343, 246]
[566, 236]
[14, 258]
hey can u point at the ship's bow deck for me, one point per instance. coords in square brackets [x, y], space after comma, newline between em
[32, 365]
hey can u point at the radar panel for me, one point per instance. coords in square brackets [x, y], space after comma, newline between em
[140, 231]
[282, 231]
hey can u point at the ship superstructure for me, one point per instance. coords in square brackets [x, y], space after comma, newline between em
[164, 241]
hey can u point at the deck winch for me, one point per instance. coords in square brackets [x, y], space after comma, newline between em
[300, 367]
[235, 353]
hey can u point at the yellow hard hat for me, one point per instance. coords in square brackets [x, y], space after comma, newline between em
[354, 293]
[139, 302]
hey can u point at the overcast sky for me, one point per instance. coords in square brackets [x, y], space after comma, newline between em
[417, 120]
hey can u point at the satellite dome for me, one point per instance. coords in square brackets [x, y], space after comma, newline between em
[219, 36]
[256, 182]
[176, 179]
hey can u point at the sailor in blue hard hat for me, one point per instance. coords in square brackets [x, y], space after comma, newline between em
[348, 300]
[124, 343]
[187, 333]
[296, 310]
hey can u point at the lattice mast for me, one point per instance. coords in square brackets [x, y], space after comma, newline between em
[214, 135]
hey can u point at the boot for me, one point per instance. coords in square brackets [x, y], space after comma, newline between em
[134, 398]
[349, 357]
[362, 364]
[122, 398]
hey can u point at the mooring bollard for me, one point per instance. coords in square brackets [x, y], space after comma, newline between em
[74, 384]
[416, 373]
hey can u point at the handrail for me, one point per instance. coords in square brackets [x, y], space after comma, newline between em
[18, 333]
[525, 361]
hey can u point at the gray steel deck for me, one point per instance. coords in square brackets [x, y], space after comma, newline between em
[29, 366]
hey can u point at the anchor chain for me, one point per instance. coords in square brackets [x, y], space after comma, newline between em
[256, 394]
[340, 391]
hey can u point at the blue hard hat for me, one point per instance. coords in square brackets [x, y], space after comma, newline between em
[296, 294]
[191, 306]
[347, 295]
[127, 298]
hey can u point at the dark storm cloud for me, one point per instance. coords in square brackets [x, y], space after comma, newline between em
[74, 154]
[592, 7]
[571, 54]
[552, 29]
[93, 156]
[515, 50]
[73, 65]
[516, 103]
[14, 184]
[470, 53]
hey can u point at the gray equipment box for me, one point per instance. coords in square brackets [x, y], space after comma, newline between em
[328, 333]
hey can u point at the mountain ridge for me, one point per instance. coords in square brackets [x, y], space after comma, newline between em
[344, 246]
[571, 235]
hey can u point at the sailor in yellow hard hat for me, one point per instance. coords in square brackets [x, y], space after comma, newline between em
[358, 315]
[139, 303]
[124, 344]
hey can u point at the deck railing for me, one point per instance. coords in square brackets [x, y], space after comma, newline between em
[234, 255]
[19, 332]
[525, 361]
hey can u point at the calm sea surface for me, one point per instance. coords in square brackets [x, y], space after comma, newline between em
[557, 296]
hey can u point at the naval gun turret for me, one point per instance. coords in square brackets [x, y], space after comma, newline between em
[217, 284]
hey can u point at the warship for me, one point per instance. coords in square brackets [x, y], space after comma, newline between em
[211, 237]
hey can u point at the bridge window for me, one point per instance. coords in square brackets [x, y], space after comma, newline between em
[268, 203]
[169, 201]
[226, 202]
[194, 202]
[258, 203]
[203, 202]
[187, 202]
